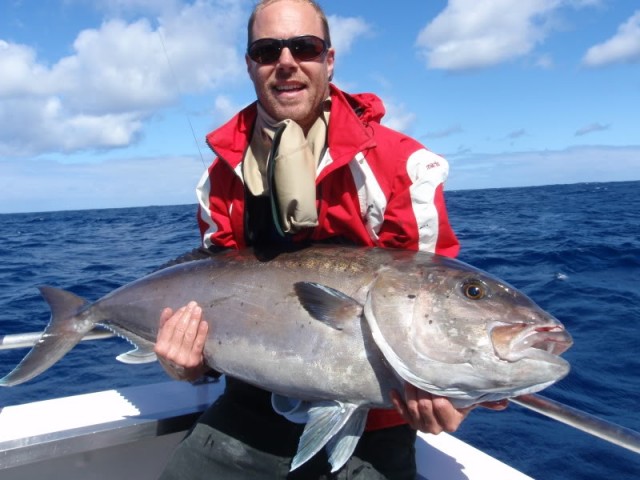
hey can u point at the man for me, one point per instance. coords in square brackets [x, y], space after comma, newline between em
[306, 162]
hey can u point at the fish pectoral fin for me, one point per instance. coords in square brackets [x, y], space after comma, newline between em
[327, 304]
[137, 356]
[326, 419]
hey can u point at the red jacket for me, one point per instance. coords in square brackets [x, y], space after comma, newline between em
[374, 187]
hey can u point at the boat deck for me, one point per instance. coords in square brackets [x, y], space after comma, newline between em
[129, 433]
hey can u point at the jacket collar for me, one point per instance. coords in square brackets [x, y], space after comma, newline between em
[349, 132]
[230, 141]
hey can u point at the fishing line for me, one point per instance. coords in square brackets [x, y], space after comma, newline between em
[177, 86]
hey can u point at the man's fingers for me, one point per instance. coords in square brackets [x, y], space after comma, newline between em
[202, 332]
[398, 402]
[180, 342]
[194, 338]
[410, 397]
[165, 332]
[165, 315]
[193, 323]
[431, 413]
[182, 322]
[178, 332]
[184, 335]
[448, 417]
[432, 417]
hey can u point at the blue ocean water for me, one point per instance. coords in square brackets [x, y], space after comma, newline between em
[575, 249]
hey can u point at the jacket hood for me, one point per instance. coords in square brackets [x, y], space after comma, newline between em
[367, 106]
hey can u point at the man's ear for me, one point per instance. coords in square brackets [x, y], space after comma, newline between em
[331, 58]
[249, 64]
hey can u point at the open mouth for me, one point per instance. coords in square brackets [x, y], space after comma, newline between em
[288, 88]
[514, 342]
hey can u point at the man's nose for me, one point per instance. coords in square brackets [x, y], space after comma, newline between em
[286, 58]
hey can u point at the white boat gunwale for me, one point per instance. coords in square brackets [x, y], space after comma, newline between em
[69, 435]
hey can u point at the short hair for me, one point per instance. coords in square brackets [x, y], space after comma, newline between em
[263, 3]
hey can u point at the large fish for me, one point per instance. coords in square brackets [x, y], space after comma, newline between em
[335, 327]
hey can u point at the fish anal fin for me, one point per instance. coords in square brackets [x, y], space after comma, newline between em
[137, 356]
[327, 304]
[144, 351]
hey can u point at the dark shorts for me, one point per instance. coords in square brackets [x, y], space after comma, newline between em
[241, 437]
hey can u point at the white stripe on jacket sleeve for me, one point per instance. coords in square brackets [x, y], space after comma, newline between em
[202, 194]
[427, 171]
[373, 202]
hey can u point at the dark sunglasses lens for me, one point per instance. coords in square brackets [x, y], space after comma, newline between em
[268, 50]
[265, 51]
[307, 48]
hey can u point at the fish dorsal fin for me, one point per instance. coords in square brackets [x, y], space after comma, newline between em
[326, 420]
[199, 253]
[327, 304]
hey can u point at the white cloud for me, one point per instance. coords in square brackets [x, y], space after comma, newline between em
[472, 34]
[33, 125]
[345, 31]
[623, 47]
[225, 108]
[118, 76]
[544, 61]
[125, 71]
[21, 74]
[154, 7]
[397, 117]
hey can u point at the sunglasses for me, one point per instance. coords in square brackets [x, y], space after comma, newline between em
[303, 48]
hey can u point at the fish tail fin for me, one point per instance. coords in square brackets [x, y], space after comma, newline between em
[65, 330]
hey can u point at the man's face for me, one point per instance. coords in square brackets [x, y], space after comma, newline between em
[290, 88]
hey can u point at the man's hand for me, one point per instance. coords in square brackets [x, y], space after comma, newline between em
[431, 413]
[180, 344]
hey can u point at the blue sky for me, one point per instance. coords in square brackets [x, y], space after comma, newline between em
[105, 103]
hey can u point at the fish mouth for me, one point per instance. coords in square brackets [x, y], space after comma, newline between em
[544, 342]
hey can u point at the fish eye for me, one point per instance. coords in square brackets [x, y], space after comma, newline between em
[474, 290]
